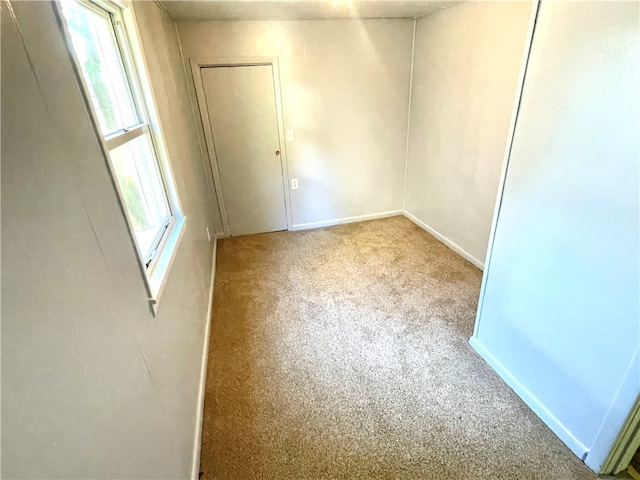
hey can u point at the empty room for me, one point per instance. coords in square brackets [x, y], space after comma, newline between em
[320, 239]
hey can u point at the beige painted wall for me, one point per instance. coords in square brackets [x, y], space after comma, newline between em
[466, 67]
[93, 386]
[345, 89]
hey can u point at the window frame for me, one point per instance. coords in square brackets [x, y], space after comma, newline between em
[155, 264]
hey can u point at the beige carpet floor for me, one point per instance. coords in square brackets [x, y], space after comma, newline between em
[342, 353]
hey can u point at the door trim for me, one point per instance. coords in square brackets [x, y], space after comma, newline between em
[619, 435]
[197, 64]
[626, 445]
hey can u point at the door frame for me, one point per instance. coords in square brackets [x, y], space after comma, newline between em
[197, 64]
[612, 453]
[626, 445]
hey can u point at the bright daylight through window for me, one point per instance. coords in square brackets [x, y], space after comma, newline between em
[104, 59]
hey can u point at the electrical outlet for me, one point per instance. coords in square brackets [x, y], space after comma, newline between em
[289, 135]
[208, 235]
[294, 184]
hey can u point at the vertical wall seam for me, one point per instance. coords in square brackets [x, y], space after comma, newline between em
[507, 157]
[406, 149]
[32, 67]
[204, 154]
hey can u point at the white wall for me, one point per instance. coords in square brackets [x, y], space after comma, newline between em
[93, 386]
[559, 313]
[466, 65]
[345, 89]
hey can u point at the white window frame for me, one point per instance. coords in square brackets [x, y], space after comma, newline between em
[156, 265]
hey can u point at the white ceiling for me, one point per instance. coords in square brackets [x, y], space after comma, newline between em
[299, 9]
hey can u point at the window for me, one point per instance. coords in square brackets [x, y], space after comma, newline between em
[113, 87]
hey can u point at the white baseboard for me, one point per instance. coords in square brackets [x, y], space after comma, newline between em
[453, 246]
[197, 438]
[340, 221]
[575, 445]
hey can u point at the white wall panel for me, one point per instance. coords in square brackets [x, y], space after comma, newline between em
[560, 307]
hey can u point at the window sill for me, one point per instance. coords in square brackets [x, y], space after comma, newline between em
[157, 278]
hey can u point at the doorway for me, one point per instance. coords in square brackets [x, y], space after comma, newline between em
[624, 458]
[241, 118]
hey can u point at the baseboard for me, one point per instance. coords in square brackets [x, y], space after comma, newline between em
[577, 447]
[340, 221]
[453, 246]
[197, 438]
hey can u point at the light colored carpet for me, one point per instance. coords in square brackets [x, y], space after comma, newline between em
[341, 353]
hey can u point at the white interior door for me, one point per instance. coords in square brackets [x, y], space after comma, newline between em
[241, 104]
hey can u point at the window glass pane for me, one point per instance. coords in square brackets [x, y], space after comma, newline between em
[96, 49]
[142, 190]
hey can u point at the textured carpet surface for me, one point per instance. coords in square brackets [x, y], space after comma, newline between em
[342, 353]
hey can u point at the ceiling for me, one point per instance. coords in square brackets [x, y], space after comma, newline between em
[299, 9]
